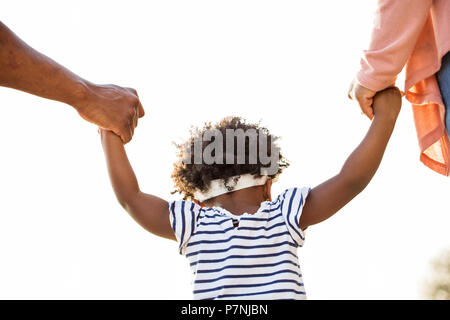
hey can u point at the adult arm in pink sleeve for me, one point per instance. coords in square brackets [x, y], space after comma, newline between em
[397, 26]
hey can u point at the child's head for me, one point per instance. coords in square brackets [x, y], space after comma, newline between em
[227, 156]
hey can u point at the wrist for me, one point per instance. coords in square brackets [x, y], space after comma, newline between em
[81, 93]
[108, 136]
[388, 118]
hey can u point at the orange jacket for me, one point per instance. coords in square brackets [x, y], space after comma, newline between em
[415, 34]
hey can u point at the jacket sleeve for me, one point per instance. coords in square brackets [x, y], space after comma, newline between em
[397, 26]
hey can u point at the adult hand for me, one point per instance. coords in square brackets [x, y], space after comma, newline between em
[112, 108]
[363, 96]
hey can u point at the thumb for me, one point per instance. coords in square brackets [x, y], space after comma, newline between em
[124, 132]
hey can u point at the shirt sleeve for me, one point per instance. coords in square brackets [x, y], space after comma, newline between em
[292, 202]
[397, 27]
[183, 217]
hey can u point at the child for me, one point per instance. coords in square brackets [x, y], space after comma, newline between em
[241, 243]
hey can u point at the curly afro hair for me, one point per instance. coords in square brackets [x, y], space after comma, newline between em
[190, 176]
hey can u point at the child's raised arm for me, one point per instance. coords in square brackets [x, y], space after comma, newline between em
[330, 196]
[151, 212]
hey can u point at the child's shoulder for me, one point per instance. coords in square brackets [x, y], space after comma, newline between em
[294, 193]
[184, 206]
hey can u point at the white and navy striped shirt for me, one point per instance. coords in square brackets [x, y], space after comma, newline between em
[255, 260]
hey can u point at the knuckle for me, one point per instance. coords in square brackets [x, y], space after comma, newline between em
[133, 91]
[134, 101]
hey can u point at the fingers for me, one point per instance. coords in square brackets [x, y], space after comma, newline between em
[127, 135]
[141, 110]
[132, 116]
[368, 111]
[135, 119]
[133, 123]
[366, 106]
[136, 114]
[363, 96]
[131, 134]
[127, 129]
[132, 110]
[131, 128]
[351, 91]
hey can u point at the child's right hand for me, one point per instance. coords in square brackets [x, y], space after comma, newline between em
[387, 103]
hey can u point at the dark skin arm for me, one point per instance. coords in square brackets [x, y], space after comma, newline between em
[151, 212]
[108, 106]
[327, 198]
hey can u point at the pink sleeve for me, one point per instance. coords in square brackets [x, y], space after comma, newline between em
[397, 26]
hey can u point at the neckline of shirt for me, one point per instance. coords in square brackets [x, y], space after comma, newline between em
[260, 210]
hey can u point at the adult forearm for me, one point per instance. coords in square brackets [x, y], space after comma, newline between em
[108, 106]
[397, 27]
[25, 69]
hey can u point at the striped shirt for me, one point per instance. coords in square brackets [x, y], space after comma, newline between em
[257, 259]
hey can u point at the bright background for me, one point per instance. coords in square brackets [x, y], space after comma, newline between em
[289, 63]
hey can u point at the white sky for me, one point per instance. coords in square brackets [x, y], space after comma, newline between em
[289, 63]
